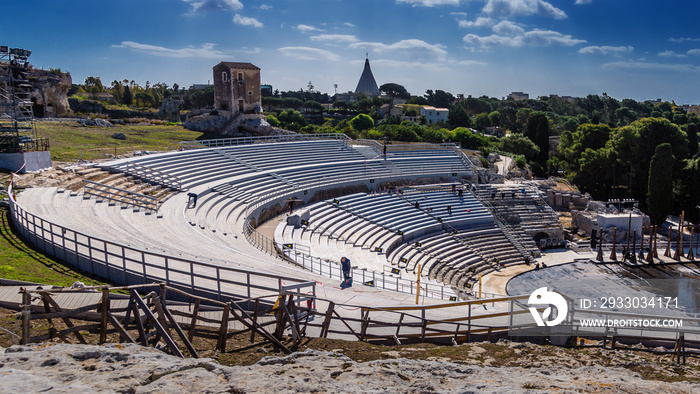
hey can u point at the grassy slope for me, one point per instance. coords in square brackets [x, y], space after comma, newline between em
[20, 261]
[68, 140]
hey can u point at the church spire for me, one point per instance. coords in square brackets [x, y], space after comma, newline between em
[367, 84]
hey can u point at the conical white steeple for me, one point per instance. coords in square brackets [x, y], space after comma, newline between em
[367, 84]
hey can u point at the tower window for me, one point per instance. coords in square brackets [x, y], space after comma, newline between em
[224, 77]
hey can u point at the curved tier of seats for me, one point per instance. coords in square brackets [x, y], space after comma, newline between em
[451, 245]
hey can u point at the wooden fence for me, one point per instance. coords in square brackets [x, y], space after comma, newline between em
[295, 315]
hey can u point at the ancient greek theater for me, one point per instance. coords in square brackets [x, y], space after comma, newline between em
[260, 222]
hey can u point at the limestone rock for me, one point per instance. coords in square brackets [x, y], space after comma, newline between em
[210, 123]
[132, 368]
[95, 122]
[170, 109]
[49, 92]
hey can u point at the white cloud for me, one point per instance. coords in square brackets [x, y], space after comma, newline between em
[414, 48]
[654, 66]
[466, 62]
[447, 64]
[265, 7]
[584, 1]
[213, 5]
[247, 50]
[509, 8]
[459, 14]
[306, 28]
[307, 53]
[334, 38]
[508, 28]
[530, 38]
[684, 39]
[205, 51]
[246, 21]
[405, 64]
[692, 52]
[606, 50]
[429, 3]
[671, 54]
[479, 22]
[348, 24]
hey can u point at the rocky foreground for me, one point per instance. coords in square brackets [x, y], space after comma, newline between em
[60, 368]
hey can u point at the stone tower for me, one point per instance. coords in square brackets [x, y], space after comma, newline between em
[236, 88]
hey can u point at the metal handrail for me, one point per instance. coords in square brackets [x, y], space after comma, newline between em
[212, 143]
[325, 267]
[151, 174]
[374, 144]
[100, 190]
[117, 262]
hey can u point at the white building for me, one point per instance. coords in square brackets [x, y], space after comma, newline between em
[517, 96]
[434, 115]
[622, 221]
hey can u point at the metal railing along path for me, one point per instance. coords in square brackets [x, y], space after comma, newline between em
[213, 143]
[130, 265]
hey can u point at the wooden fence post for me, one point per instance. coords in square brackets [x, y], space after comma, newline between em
[255, 319]
[193, 322]
[223, 330]
[103, 319]
[327, 320]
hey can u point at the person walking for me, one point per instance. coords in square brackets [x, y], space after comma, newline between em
[345, 266]
[192, 202]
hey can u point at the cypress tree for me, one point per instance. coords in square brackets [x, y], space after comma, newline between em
[128, 97]
[660, 186]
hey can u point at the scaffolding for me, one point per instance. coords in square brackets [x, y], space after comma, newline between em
[17, 131]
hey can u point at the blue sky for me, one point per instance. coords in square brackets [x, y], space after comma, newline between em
[630, 49]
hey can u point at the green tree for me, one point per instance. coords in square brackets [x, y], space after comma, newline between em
[394, 90]
[439, 98]
[587, 136]
[692, 132]
[127, 97]
[495, 118]
[291, 120]
[660, 185]
[362, 122]
[144, 98]
[538, 131]
[597, 172]
[520, 145]
[199, 98]
[482, 121]
[312, 106]
[272, 120]
[469, 140]
[689, 188]
[458, 117]
[340, 104]
[634, 145]
[94, 85]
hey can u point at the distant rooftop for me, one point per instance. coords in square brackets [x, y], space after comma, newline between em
[244, 66]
